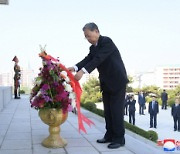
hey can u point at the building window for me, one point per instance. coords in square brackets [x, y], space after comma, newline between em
[165, 69]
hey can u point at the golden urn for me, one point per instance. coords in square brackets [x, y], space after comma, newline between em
[54, 118]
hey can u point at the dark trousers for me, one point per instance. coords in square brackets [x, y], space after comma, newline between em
[16, 89]
[17, 92]
[153, 118]
[141, 108]
[176, 122]
[164, 105]
[132, 115]
[126, 109]
[114, 115]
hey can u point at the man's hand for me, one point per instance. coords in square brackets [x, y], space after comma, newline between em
[79, 75]
[71, 69]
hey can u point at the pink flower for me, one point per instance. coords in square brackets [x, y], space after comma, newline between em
[45, 87]
[70, 108]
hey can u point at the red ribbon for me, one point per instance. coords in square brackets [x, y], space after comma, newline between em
[78, 91]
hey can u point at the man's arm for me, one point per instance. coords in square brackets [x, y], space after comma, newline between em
[172, 110]
[157, 107]
[82, 63]
[149, 108]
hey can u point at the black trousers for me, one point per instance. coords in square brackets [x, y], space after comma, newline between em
[114, 114]
[126, 109]
[141, 108]
[16, 90]
[153, 119]
[176, 122]
[164, 104]
[132, 116]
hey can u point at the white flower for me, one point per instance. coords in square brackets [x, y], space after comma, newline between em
[64, 73]
[64, 84]
[33, 98]
[39, 93]
[67, 80]
[68, 88]
[73, 103]
[72, 96]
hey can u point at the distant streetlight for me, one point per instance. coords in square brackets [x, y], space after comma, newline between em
[140, 80]
[6, 2]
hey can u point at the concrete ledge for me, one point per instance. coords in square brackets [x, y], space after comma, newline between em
[1, 100]
[5, 96]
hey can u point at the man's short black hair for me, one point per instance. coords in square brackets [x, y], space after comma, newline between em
[91, 26]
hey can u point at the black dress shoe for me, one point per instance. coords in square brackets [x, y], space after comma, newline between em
[114, 145]
[103, 140]
[16, 97]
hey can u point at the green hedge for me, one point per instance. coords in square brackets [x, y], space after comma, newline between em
[22, 92]
[151, 135]
[171, 101]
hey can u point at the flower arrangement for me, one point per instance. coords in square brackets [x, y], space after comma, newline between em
[52, 87]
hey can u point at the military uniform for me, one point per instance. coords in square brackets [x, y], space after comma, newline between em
[17, 77]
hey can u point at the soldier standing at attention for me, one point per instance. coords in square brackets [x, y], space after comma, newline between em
[17, 76]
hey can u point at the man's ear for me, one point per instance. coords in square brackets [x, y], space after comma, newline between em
[96, 31]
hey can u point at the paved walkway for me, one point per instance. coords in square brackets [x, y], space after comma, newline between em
[21, 132]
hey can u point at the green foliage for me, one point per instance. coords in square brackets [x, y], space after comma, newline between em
[25, 90]
[171, 101]
[136, 130]
[152, 89]
[129, 88]
[100, 112]
[22, 92]
[157, 91]
[91, 91]
[89, 106]
[153, 136]
[172, 94]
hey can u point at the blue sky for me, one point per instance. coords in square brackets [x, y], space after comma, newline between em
[146, 32]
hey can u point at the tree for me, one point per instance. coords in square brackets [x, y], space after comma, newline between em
[128, 87]
[172, 94]
[91, 91]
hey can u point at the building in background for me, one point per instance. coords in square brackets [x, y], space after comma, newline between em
[168, 77]
[6, 79]
[165, 77]
[4, 2]
[27, 78]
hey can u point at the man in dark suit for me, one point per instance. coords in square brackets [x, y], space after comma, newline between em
[126, 104]
[105, 56]
[175, 112]
[132, 109]
[141, 101]
[164, 98]
[153, 111]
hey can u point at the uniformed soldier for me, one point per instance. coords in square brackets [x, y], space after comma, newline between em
[17, 76]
